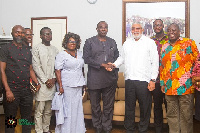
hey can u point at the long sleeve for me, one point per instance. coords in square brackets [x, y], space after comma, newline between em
[120, 59]
[161, 67]
[154, 61]
[37, 66]
[87, 55]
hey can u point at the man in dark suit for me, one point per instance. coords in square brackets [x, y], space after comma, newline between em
[97, 52]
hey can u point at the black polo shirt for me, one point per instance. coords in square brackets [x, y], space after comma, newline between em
[18, 61]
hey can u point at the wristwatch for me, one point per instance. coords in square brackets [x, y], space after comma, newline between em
[153, 80]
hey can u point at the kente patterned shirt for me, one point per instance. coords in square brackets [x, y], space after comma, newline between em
[196, 70]
[159, 44]
[176, 66]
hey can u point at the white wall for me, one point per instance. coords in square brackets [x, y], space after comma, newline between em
[195, 21]
[82, 16]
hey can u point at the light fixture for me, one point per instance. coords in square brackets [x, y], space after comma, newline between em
[92, 1]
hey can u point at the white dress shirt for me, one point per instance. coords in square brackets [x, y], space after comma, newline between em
[140, 58]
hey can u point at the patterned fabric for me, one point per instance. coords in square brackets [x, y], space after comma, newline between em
[18, 61]
[196, 70]
[159, 44]
[176, 66]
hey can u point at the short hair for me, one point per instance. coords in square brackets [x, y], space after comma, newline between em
[175, 24]
[71, 35]
[101, 22]
[44, 29]
[142, 25]
[157, 20]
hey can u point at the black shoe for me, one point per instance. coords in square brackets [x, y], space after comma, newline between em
[98, 130]
[107, 132]
[129, 131]
[47, 132]
[158, 129]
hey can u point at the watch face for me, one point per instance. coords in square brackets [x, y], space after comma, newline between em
[92, 1]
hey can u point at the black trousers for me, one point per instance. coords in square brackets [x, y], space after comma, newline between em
[197, 105]
[159, 99]
[137, 90]
[103, 119]
[24, 100]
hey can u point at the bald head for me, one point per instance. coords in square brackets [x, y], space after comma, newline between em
[18, 34]
[16, 27]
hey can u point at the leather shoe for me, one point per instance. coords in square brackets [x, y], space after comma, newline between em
[98, 130]
[47, 132]
[128, 131]
[107, 132]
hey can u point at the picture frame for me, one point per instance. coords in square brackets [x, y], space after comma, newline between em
[58, 26]
[146, 11]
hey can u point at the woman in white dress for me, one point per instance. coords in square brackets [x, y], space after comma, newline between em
[69, 65]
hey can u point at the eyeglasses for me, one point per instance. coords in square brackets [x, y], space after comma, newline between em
[157, 25]
[74, 42]
[29, 34]
[47, 34]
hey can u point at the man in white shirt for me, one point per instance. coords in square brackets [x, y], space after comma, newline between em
[43, 64]
[141, 60]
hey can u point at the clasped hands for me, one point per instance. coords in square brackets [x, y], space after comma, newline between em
[50, 83]
[109, 66]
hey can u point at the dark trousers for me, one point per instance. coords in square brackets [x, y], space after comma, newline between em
[158, 98]
[137, 90]
[24, 100]
[102, 119]
[197, 105]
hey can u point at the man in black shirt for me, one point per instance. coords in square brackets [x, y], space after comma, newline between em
[16, 70]
[97, 52]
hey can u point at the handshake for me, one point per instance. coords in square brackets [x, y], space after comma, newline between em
[109, 66]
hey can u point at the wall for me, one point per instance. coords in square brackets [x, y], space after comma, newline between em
[82, 16]
[194, 21]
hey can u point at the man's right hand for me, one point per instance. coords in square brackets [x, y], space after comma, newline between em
[109, 66]
[163, 89]
[9, 96]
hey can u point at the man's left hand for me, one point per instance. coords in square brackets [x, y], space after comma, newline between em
[151, 86]
[50, 82]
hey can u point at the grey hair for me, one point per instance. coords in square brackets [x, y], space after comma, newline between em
[142, 25]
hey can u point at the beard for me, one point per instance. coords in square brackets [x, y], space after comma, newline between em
[18, 40]
[137, 36]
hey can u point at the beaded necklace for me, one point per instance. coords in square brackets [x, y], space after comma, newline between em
[69, 52]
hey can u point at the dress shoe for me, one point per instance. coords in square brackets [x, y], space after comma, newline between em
[129, 131]
[47, 132]
[98, 130]
[158, 129]
[107, 132]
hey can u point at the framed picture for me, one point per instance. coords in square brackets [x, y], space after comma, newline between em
[58, 26]
[146, 11]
